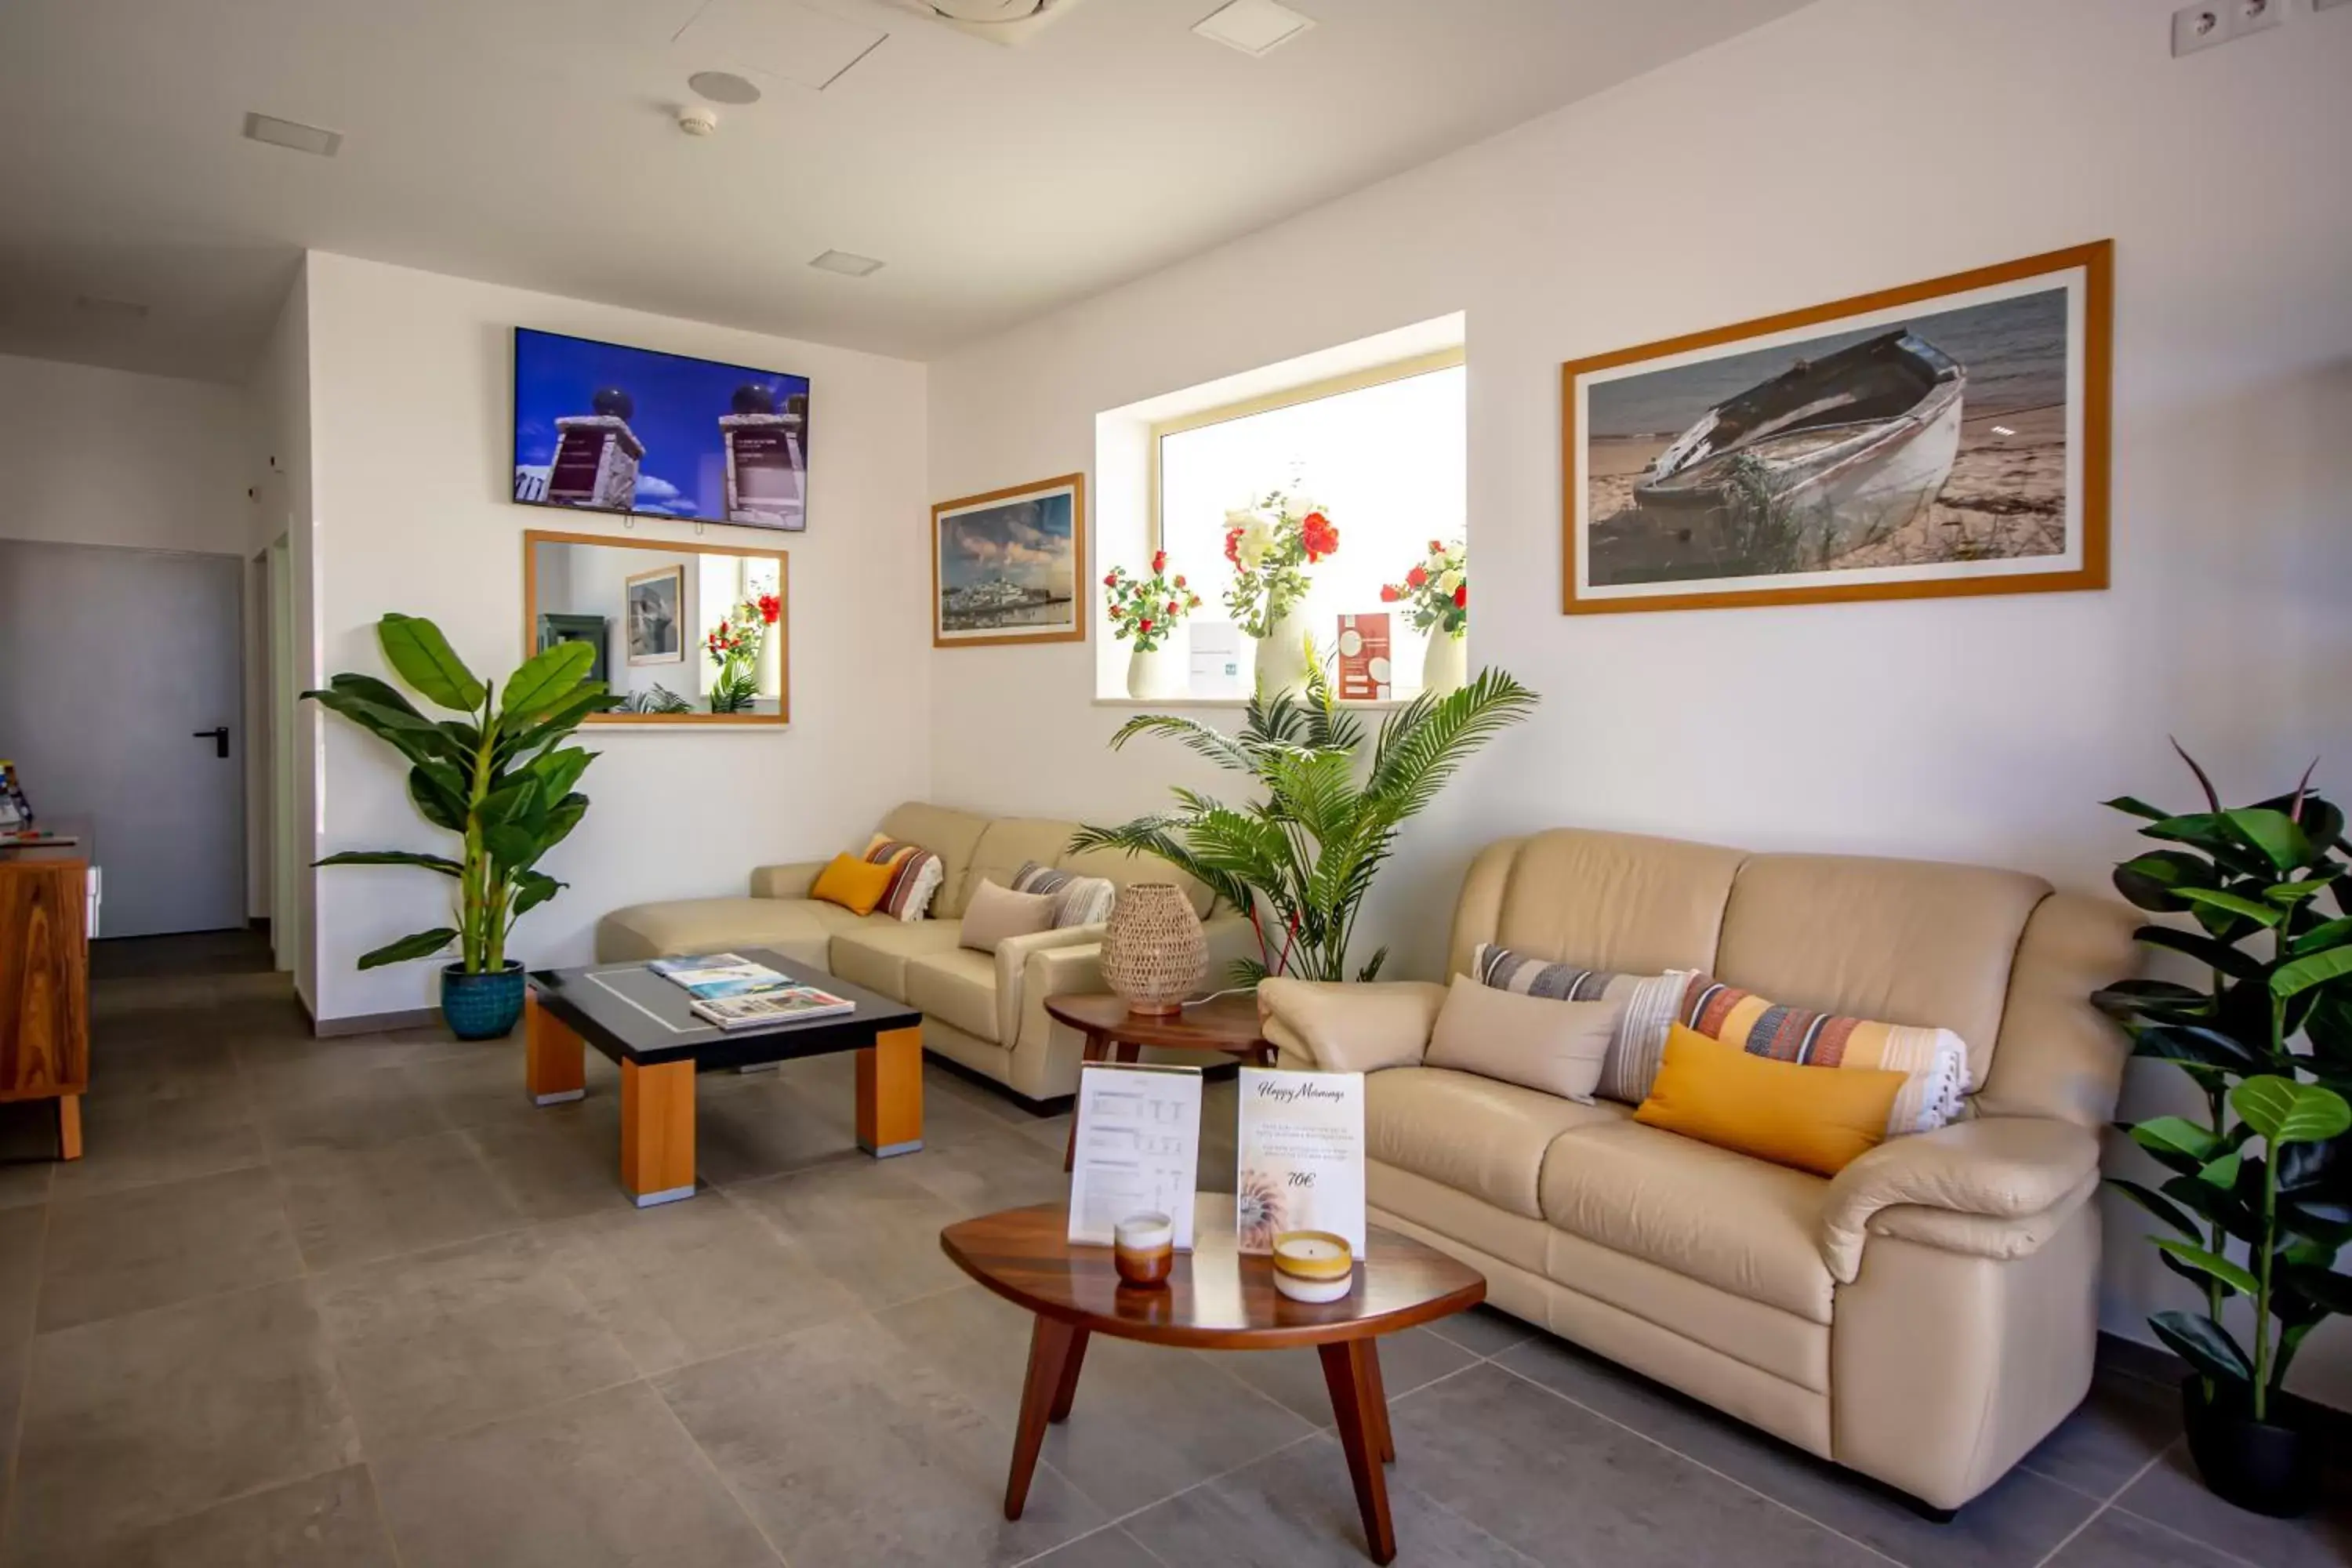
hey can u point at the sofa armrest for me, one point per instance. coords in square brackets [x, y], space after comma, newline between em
[1014, 970]
[791, 881]
[1996, 1168]
[1356, 1026]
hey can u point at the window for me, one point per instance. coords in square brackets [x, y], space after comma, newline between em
[1382, 452]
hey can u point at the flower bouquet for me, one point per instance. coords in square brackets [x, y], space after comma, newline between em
[734, 645]
[1436, 597]
[1148, 610]
[1271, 545]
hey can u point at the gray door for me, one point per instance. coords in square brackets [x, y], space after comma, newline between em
[111, 661]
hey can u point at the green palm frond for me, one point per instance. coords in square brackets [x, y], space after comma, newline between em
[1219, 748]
[1426, 743]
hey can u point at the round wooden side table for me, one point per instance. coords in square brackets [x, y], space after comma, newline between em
[1227, 1024]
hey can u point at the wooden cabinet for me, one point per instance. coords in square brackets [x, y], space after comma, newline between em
[45, 985]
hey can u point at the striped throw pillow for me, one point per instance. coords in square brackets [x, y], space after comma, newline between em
[1935, 1062]
[1077, 900]
[918, 878]
[1639, 1042]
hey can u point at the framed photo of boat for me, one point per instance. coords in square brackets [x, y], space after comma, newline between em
[1946, 437]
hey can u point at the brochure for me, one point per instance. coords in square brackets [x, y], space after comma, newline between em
[788, 1003]
[710, 976]
[1301, 1138]
[1138, 1148]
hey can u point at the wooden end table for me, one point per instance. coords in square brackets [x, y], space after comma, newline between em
[1219, 1299]
[1227, 1024]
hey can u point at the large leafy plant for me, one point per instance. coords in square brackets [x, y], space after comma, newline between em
[1300, 860]
[500, 777]
[2265, 1224]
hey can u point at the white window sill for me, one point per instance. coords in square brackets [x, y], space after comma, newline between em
[1237, 703]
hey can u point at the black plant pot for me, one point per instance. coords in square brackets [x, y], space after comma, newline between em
[2266, 1467]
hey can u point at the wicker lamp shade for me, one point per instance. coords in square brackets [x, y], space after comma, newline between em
[1153, 951]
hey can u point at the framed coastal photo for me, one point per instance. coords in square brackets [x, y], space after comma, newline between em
[654, 624]
[1009, 566]
[1946, 437]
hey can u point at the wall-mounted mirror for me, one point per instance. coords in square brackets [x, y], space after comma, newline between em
[683, 633]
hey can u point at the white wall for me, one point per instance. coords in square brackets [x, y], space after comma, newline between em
[278, 395]
[1855, 145]
[412, 464]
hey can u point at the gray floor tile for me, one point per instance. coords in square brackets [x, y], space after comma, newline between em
[171, 1065]
[1108, 1548]
[693, 1279]
[12, 1391]
[2123, 1423]
[321, 1521]
[137, 1420]
[344, 1108]
[564, 1163]
[749, 1127]
[2017, 1521]
[991, 1171]
[1297, 1510]
[483, 1087]
[824, 1435]
[132, 1141]
[873, 1228]
[353, 1205]
[438, 1342]
[25, 1174]
[605, 1479]
[22, 1232]
[1200, 1422]
[2171, 1494]
[1484, 1331]
[1294, 1378]
[149, 1247]
[1564, 1485]
[2119, 1539]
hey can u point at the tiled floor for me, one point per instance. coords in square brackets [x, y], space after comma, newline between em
[356, 1302]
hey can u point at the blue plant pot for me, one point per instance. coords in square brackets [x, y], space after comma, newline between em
[481, 1007]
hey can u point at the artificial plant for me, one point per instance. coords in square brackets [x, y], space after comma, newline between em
[500, 777]
[1146, 610]
[2263, 1224]
[1299, 861]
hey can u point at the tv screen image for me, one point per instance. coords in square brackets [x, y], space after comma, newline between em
[601, 427]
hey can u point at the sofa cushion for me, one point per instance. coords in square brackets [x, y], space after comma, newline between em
[791, 927]
[1121, 869]
[874, 954]
[947, 833]
[1006, 845]
[958, 986]
[1724, 1219]
[1613, 901]
[1484, 1138]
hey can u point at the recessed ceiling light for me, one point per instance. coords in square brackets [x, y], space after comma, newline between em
[1254, 26]
[848, 265]
[724, 87]
[113, 309]
[292, 133]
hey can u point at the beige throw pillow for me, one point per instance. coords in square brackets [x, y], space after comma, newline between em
[995, 912]
[1556, 1046]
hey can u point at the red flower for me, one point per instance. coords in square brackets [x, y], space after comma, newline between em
[1159, 562]
[770, 607]
[1417, 577]
[1234, 545]
[1110, 580]
[1436, 548]
[1389, 594]
[1144, 624]
[1179, 579]
[1462, 597]
[1174, 609]
[1315, 531]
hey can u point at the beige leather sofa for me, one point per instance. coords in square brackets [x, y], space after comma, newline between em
[985, 1011]
[1925, 1317]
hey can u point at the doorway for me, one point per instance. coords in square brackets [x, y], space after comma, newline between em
[120, 699]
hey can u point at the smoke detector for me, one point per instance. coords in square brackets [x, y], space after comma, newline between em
[698, 119]
[999, 21]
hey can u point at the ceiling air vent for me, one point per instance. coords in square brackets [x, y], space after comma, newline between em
[1001, 21]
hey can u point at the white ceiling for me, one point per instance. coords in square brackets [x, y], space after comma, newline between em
[532, 142]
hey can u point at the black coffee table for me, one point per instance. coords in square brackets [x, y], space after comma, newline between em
[644, 1023]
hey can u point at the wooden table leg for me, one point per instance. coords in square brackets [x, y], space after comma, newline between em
[890, 1094]
[1378, 1404]
[1066, 1393]
[1096, 1043]
[1051, 1346]
[69, 1127]
[657, 1132]
[554, 1067]
[1350, 1372]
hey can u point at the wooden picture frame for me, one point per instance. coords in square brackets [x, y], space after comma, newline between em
[1761, 473]
[675, 577]
[1018, 531]
[533, 538]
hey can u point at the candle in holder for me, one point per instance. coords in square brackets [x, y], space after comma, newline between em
[1313, 1266]
[1143, 1250]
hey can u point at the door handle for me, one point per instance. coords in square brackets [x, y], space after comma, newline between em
[217, 735]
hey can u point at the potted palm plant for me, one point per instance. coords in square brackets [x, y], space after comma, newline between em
[2259, 1195]
[500, 777]
[1300, 862]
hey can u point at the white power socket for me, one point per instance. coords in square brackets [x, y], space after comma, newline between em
[2210, 22]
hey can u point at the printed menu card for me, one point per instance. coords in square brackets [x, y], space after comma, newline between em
[1301, 1145]
[1139, 1149]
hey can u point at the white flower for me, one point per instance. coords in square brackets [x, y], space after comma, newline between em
[1257, 538]
[1447, 582]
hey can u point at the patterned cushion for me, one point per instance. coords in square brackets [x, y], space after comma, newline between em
[1933, 1060]
[1639, 1043]
[1077, 900]
[918, 878]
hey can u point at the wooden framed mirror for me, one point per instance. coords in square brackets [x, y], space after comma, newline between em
[686, 633]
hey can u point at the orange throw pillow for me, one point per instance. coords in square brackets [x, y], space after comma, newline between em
[855, 885]
[1812, 1117]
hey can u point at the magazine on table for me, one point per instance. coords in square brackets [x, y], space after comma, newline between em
[787, 1004]
[709, 976]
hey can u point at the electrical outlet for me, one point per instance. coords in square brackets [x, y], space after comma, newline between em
[2201, 26]
[2254, 16]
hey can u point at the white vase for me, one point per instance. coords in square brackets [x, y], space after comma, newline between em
[1158, 674]
[1282, 662]
[1444, 664]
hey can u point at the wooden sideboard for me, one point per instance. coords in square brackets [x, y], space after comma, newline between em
[45, 984]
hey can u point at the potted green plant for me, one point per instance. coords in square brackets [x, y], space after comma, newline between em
[1300, 862]
[2259, 1196]
[500, 777]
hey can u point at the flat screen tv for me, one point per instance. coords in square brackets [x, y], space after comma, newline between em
[599, 427]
